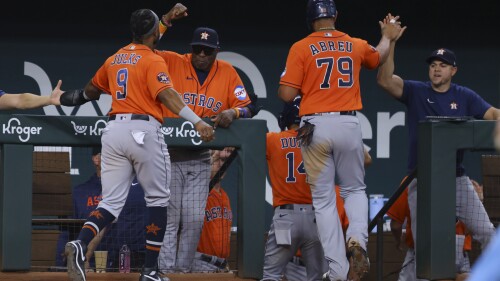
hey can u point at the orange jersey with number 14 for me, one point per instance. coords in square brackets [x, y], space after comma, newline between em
[287, 173]
[133, 77]
[286, 169]
[325, 67]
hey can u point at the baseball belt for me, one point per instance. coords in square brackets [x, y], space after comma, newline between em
[133, 117]
[351, 112]
[289, 207]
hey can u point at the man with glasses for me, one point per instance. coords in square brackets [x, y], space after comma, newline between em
[211, 88]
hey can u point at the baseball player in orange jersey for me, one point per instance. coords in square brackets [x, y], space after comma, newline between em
[294, 225]
[214, 246]
[399, 213]
[324, 69]
[211, 88]
[132, 143]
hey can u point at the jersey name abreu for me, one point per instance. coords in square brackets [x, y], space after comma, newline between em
[327, 46]
[195, 99]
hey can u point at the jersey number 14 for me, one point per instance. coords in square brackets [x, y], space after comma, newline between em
[290, 156]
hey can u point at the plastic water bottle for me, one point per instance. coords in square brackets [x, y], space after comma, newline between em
[124, 259]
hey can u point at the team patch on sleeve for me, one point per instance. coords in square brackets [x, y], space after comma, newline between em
[163, 78]
[240, 92]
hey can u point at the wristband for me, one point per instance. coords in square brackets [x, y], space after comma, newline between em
[244, 113]
[162, 28]
[237, 111]
[74, 98]
[189, 115]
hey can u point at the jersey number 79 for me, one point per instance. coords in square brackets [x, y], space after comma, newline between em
[343, 66]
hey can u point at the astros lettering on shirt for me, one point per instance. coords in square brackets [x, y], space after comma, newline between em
[422, 101]
[215, 236]
[133, 77]
[221, 90]
[86, 197]
[325, 67]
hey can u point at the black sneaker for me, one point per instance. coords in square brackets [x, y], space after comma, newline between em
[150, 274]
[75, 255]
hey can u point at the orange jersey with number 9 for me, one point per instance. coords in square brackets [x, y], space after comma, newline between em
[133, 77]
[325, 67]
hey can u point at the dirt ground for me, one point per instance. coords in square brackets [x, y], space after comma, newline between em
[59, 276]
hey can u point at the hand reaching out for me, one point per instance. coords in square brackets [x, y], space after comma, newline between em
[391, 27]
[55, 96]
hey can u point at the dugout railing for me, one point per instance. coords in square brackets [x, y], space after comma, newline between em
[20, 133]
[439, 139]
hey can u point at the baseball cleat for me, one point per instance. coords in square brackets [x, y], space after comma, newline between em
[359, 264]
[75, 255]
[151, 274]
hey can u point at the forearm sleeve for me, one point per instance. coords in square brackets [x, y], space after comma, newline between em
[73, 98]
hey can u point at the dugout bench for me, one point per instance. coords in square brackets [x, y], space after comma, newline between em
[22, 132]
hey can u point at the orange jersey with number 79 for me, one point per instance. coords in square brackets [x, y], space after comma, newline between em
[325, 67]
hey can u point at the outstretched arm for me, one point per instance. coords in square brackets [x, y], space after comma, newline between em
[391, 83]
[391, 31]
[29, 100]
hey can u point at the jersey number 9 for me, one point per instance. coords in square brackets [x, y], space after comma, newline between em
[121, 80]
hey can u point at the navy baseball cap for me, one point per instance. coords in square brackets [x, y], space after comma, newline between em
[444, 55]
[206, 37]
